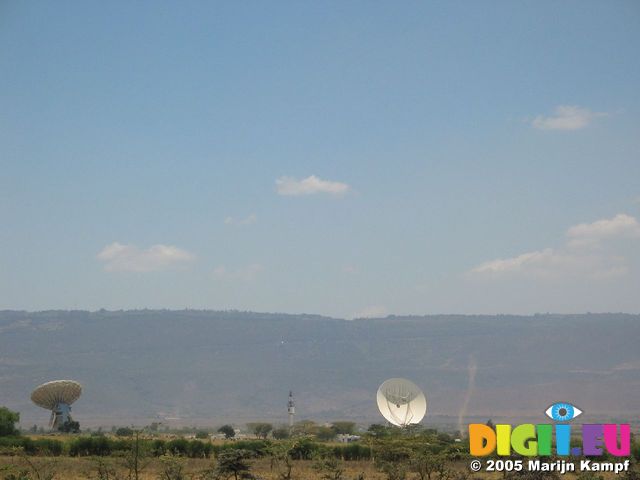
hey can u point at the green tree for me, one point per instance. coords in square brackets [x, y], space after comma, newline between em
[136, 459]
[233, 463]
[280, 433]
[104, 470]
[427, 465]
[70, 426]
[633, 473]
[172, 468]
[324, 434]
[227, 430]
[260, 429]
[37, 469]
[393, 458]
[8, 420]
[281, 459]
[304, 427]
[124, 432]
[328, 467]
[379, 431]
[344, 428]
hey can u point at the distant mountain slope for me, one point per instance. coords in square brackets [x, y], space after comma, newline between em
[216, 366]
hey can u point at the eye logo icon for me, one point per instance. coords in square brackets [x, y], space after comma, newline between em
[563, 412]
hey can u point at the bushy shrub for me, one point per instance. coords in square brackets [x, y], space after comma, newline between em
[258, 447]
[184, 448]
[352, 451]
[41, 446]
[8, 420]
[178, 446]
[304, 449]
[158, 448]
[91, 446]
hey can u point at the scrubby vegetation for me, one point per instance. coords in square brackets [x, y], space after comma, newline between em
[380, 453]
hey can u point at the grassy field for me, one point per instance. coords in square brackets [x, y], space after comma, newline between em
[423, 456]
[100, 468]
[66, 468]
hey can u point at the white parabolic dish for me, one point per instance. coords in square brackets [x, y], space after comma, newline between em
[50, 394]
[401, 402]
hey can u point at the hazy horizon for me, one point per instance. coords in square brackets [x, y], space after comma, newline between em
[313, 314]
[239, 365]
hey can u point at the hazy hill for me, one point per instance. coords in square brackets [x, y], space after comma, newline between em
[207, 367]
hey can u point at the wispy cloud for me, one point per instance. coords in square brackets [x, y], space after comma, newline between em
[241, 222]
[246, 274]
[309, 186]
[573, 258]
[566, 117]
[515, 264]
[118, 257]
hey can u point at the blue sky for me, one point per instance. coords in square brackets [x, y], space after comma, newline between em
[342, 158]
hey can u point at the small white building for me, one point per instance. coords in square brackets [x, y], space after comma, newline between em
[346, 438]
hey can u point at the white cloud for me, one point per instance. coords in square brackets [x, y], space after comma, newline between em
[514, 264]
[566, 117]
[309, 186]
[241, 222]
[246, 274]
[591, 234]
[572, 260]
[373, 311]
[118, 257]
[550, 263]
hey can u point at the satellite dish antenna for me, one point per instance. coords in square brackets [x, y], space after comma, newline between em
[57, 396]
[401, 402]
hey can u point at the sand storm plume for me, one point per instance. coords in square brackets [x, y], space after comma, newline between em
[472, 369]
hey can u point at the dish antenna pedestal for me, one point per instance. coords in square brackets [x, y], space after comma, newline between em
[401, 402]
